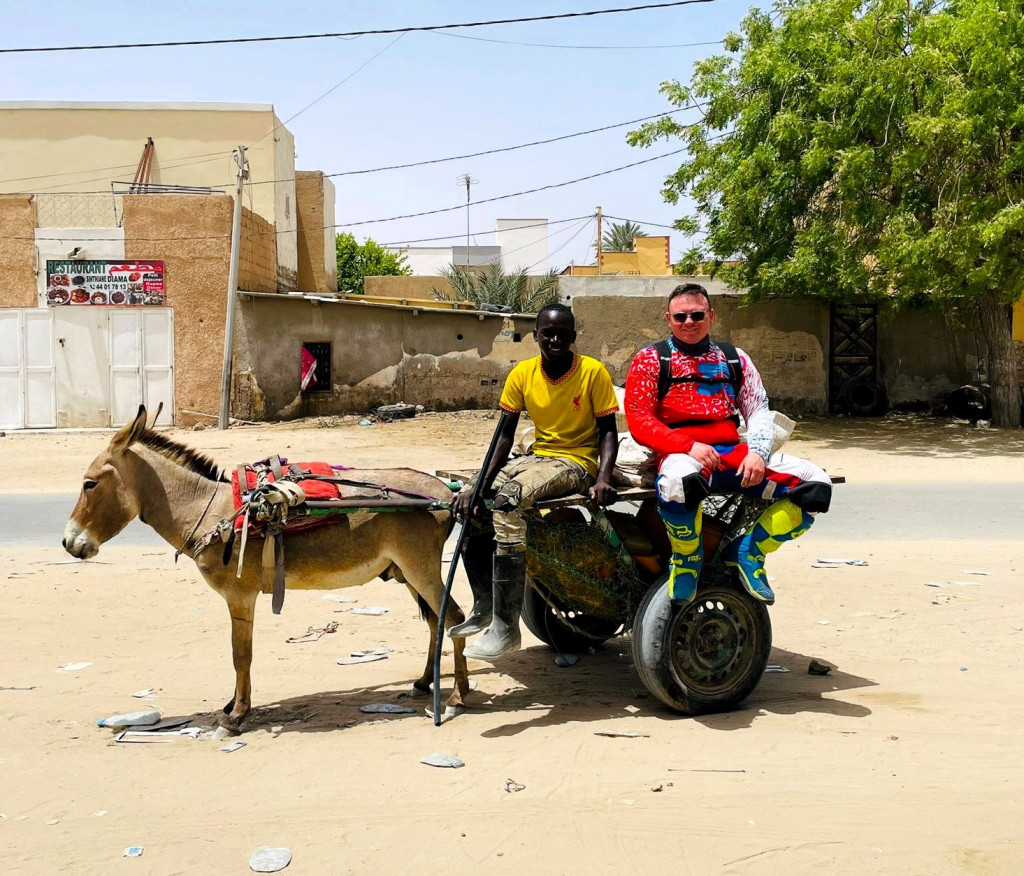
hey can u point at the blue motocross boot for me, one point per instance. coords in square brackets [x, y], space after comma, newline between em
[782, 521]
[683, 528]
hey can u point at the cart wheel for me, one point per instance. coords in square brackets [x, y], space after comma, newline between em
[706, 656]
[549, 620]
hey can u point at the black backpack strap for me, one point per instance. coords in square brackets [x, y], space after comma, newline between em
[664, 351]
[735, 366]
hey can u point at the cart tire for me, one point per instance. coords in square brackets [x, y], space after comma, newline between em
[706, 656]
[547, 618]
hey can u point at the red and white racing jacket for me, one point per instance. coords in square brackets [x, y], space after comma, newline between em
[701, 408]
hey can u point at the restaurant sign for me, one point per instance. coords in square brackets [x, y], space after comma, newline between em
[103, 282]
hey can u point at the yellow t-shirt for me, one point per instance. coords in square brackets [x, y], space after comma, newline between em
[563, 411]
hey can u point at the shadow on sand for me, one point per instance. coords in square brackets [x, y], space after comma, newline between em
[602, 686]
[912, 435]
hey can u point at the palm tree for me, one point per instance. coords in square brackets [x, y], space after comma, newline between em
[492, 286]
[621, 236]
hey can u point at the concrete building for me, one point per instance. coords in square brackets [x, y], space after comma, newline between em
[53, 149]
[520, 244]
[110, 299]
[650, 257]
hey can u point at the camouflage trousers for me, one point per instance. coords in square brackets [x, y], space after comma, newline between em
[522, 483]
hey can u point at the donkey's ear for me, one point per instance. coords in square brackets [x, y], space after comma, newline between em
[129, 433]
[156, 416]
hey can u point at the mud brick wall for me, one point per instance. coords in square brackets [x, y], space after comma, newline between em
[17, 251]
[257, 256]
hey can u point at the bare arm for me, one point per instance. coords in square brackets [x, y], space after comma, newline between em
[608, 450]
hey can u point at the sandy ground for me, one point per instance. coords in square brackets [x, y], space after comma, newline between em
[908, 759]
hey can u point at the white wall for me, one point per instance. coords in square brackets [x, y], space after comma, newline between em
[523, 247]
[286, 218]
[56, 243]
[426, 261]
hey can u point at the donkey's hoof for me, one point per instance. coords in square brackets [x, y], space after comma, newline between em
[419, 693]
[448, 713]
[223, 732]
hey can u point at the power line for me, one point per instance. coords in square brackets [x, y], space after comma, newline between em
[514, 194]
[424, 163]
[329, 90]
[564, 245]
[486, 231]
[406, 215]
[466, 36]
[352, 33]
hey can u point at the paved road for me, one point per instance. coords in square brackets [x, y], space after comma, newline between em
[859, 511]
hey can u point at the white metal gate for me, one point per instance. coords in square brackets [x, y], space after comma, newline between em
[88, 366]
[141, 362]
[27, 384]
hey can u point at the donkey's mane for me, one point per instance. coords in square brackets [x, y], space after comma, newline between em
[184, 456]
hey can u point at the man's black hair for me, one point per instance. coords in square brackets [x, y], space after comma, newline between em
[555, 307]
[688, 289]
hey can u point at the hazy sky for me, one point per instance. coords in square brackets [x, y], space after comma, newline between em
[426, 96]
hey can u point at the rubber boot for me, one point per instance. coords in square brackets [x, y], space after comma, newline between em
[683, 529]
[503, 634]
[781, 521]
[477, 554]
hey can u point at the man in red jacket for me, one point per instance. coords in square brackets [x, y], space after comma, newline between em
[684, 402]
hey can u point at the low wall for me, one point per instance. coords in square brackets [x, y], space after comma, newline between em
[380, 354]
[920, 358]
[403, 287]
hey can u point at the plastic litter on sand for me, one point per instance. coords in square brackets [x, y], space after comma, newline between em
[130, 719]
[842, 561]
[73, 667]
[336, 597]
[369, 609]
[443, 760]
[132, 852]
[148, 692]
[231, 746]
[269, 860]
[365, 658]
[627, 734]
[774, 667]
[386, 709]
[566, 660]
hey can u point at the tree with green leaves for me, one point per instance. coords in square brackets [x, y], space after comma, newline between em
[865, 150]
[491, 285]
[621, 237]
[368, 259]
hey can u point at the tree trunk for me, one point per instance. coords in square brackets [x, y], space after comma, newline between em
[1002, 370]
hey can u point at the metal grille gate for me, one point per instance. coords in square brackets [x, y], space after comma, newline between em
[853, 347]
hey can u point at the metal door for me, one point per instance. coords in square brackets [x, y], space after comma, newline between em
[853, 351]
[83, 366]
[141, 362]
[27, 383]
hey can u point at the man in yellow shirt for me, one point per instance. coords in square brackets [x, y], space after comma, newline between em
[572, 404]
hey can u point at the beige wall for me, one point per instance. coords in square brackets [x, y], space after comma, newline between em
[314, 197]
[404, 287]
[257, 254]
[381, 354]
[53, 147]
[196, 273]
[17, 251]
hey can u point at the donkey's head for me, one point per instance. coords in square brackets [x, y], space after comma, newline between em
[108, 501]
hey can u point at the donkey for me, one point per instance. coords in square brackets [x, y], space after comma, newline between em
[183, 494]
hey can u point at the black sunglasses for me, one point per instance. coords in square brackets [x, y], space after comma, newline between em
[696, 316]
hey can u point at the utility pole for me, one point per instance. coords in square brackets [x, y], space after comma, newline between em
[467, 181]
[599, 240]
[229, 329]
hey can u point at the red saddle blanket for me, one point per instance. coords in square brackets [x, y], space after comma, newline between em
[313, 489]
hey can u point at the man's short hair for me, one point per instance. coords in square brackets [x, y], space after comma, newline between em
[688, 289]
[555, 307]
